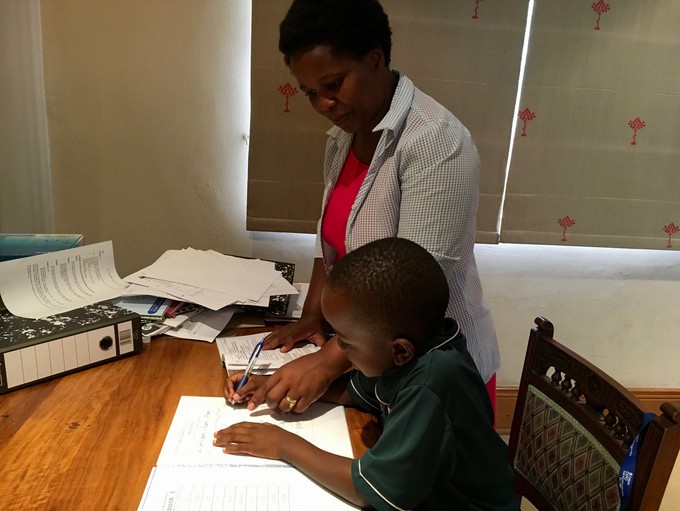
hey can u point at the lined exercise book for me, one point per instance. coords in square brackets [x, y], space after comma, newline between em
[193, 474]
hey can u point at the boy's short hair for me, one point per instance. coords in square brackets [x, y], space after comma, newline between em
[352, 27]
[394, 287]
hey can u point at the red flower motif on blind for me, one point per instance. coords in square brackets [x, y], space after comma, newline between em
[636, 124]
[565, 223]
[525, 116]
[288, 91]
[475, 15]
[670, 229]
[599, 7]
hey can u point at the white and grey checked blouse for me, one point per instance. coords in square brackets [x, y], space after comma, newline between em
[422, 184]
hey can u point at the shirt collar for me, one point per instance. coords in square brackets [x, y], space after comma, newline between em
[395, 116]
[448, 338]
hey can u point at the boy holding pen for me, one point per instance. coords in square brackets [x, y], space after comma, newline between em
[438, 450]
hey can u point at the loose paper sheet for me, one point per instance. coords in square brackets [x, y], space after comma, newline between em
[235, 352]
[57, 282]
[189, 440]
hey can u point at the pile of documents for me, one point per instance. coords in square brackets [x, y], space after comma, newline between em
[186, 293]
[213, 283]
[210, 279]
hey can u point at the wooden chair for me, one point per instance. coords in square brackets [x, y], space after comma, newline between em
[571, 430]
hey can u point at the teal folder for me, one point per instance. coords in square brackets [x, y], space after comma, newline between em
[14, 246]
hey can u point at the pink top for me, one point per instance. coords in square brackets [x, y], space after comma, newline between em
[340, 203]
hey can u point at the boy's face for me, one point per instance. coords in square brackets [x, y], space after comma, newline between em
[368, 354]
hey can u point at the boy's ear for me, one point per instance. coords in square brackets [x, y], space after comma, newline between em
[376, 57]
[403, 351]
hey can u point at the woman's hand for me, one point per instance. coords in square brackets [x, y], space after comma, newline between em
[255, 439]
[254, 382]
[309, 327]
[301, 382]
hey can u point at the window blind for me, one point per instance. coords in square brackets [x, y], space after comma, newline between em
[596, 159]
[464, 54]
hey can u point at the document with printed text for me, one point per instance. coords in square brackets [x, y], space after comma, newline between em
[235, 353]
[191, 473]
[57, 282]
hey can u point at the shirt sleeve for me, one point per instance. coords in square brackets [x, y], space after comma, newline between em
[414, 454]
[440, 179]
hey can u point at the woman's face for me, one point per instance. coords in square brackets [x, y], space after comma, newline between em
[349, 92]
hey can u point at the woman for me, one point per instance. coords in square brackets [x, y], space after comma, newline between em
[397, 163]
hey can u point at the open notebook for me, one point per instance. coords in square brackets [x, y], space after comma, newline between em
[192, 474]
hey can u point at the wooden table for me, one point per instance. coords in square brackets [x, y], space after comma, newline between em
[88, 441]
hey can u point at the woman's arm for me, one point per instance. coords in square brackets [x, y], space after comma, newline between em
[439, 191]
[305, 380]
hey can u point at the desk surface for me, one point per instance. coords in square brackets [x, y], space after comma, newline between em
[89, 440]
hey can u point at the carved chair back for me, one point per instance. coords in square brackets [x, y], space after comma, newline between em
[572, 428]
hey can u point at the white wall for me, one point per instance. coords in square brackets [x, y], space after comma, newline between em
[148, 123]
[148, 112]
[616, 307]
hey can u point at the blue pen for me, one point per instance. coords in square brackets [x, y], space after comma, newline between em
[251, 362]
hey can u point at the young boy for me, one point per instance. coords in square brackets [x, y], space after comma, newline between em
[438, 449]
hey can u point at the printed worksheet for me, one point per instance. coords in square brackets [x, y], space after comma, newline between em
[235, 353]
[189, 439]
[57, 282]
[244, 489]
[191, 474]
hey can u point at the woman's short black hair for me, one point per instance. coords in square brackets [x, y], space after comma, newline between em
[352, 27]
[394, 287]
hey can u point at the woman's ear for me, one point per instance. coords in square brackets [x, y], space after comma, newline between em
[403, 351]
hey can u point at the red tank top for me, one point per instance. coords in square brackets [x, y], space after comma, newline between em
[340, 203]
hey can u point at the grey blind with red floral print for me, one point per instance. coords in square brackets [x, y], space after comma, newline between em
[596, 157]
[464, 53]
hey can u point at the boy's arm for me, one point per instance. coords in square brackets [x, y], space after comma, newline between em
[330, 470]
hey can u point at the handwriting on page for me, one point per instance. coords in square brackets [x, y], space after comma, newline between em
[196, 437]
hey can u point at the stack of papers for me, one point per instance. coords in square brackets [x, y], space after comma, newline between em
[210, 279]
[210, 284]
[191, 473]
[235, 353]
[190, 322]
[214, 283]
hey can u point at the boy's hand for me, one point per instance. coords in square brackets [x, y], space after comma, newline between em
[253, 438]
[255, 381]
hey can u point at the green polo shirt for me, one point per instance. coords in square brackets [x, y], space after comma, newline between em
[438, 449]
